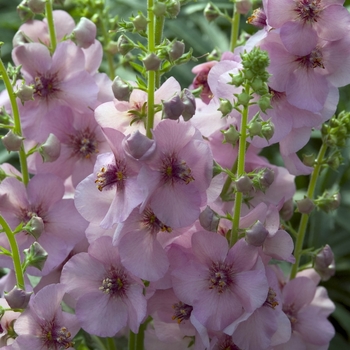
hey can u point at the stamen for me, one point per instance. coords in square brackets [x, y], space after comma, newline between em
[220, 276]
[152, 224]
[173, 170]
[111, 176]
[181, 312]
[271, 299]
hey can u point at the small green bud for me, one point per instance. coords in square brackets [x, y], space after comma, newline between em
[152, 62]
[209, 219]
[112, 47]
[268, 129]
[159, 9]
[244, 184]
[35, 256]
[37, 6]
[231, 135]
[12, 141]
[24, 12]
[237, 79]
[35, 226]
[125, 45]
[121, 89]
[214, 55]
[328, 202]
[255, 128]
[264, 102]
[305, 206]
[25, 93]
[173, 8]
[17, 298]
[51, 149]
[225, 107]
[140, 22]
[176, 50]
[211, 12]
[243, 98]
[309, 159]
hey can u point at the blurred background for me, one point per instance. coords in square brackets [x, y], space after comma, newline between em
[192, 27]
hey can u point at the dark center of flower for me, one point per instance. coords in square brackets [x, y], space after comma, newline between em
[115, 283]
[220, 276]
[276, 95]
[26, 214]
[83, 143]
[271, 299]
[312, 60]
[151, 223]
[56, 338]
[46, 85]
[112, 175]
[289, 310]
[181, 311]
[227, 344]
[173, 170]
[308, 10]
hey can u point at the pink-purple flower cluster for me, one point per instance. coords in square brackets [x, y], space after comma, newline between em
[122, 216]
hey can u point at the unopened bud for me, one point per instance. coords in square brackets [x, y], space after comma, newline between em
[237, 79]
[189, 103]
[225, 107]
[140, 22]
[37, 6]
[35, 226]
[12, 141]
[84, 33]
[268, 130]
[159, 9]
[256, 235]
[258, 18]
[173, 8]
[211, 12]
[35, 256]
[266, 178]
[264, 102]
[328, 202]
[121, 89]
[231, 135]
[139, 146]
[152, 62]
[17, 298]
[324, 263]
[51, 149]
[24, 12]
[255, 128]
[244, 184]
[209, 219]
[243, 6]
[112, 47]
[125, 45]
[287, 210]
[243, 98]
[309, 159]
[25, 93]
[305, 206]
[172, 108]
[176, 50]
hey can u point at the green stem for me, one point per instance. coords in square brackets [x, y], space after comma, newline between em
[111, 344]
[151, 74]
[240, 172]
[132, 341]
[140, 336]
[15, 253]
[234, 29]
[51, 25]
[305, 217]
[159, 25]
[17, 129]
[110, 59]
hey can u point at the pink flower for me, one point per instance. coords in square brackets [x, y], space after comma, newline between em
[102, 287]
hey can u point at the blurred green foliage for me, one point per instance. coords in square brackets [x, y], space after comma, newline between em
[203, 37]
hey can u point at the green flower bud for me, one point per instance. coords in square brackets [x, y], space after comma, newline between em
[305, 206]
[211, 12]
[244, 184]
[35, 256]
[255, 128]
[37, 6]
[268, 129]
[152, 62]
[51, 149]
[35, 226]
[231, 135]
[243, 98]
[237, 79]
[173, 8]
[125, 45]
[140, 22]
[209, 219]
[225, 107]
[159, 9]
[25, 93]
[328, 202]
[12, 141]
[309, 159]
[17, 298]
[176, 50]
[121, 89]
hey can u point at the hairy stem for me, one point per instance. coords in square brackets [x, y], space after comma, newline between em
[51, 25]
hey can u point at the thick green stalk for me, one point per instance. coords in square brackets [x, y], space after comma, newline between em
[111, 344]
[234, 29]
[110, 59]
[240, 172]
[305, 217]
[15, 253]
[159, 25]
[51, 25]
[132, 341]
[151, 74]
[17, 129]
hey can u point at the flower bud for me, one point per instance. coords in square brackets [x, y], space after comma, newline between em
[231, 135]
[35, 226]
[225, 107]
[255, 127]
[139, 146]
[305, 206]
[244, 184]
[140, 23]
[309, 159]
[328, 202]
[176, 50]
[173, 8]
[17, 298]
[24, 12]
[211, 12]
[264, 102]
[12, 141]
[37, 6]
[125, 45]
[237, 79]
[159, 9]
[172, 108]
[51, 149]
[121, 89]
[287, 210]
[152, 62]
[84, 33]
[268, 129]
[35, 256]
[266, 178]
[25, 93]
[209, 219]
[324, 263]
[258, 18]
[243, 98]
[189, 103]
[112, 47]
[243, 6]
[256, 235]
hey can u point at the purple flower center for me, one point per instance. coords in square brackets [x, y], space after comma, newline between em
[46, 85]
[174, 171]
[112, 175]
[115, 283]
[54, 338]
[152, 224]
[308, 11]
[289, 310]
[227, 344]
[181, 311]
[312, 60]
[25, 214]
[220, 276]
[271, 299]
[83, 144]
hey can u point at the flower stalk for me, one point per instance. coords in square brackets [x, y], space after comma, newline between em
[51, 25]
